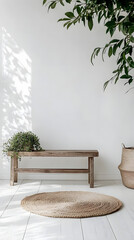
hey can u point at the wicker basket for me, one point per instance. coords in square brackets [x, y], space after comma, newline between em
[127, 167]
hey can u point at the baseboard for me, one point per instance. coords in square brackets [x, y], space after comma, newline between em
[107, 177]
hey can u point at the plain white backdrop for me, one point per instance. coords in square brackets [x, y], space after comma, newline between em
[48, 85]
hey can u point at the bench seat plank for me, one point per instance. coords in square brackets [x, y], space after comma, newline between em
[59, 153]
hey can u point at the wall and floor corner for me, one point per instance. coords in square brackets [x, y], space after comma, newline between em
[48, 85]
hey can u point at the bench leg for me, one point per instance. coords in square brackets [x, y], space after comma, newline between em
[12, 173]
[91, 172]
[15, 166]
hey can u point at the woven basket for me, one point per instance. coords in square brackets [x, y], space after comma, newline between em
[127, 167]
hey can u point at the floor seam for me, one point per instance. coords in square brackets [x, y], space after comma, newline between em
[81, 229]
[111, 228]
[30, 215]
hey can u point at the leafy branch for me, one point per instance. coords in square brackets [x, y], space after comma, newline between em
[116, 15]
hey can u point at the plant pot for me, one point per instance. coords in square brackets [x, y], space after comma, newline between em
[127, 167]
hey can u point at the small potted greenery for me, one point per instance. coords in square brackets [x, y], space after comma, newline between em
[22, 141]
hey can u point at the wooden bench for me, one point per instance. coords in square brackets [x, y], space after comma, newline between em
[54, 153]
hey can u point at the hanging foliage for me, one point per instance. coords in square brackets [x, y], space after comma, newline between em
[115, 15]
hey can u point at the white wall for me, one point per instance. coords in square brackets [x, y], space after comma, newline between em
[49, 86]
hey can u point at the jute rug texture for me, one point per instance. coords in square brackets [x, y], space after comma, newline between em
[71, 204]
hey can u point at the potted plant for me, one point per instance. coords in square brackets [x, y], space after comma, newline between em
[22, 141]
[127, 166]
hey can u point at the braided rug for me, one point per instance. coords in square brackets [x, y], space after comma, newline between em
[71, 204]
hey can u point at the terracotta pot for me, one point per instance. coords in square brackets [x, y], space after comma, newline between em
[127, 167]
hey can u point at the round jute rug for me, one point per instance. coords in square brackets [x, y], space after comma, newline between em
[70, 204]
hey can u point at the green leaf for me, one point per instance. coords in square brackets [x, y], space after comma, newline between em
[76, 20]
[120, 42]
[130, 50]
[83, 19]
[126, 70]
[69, 14]
[110, 24]
[114, 49]
[130, 80]
[131, 29]
[129, 59]
[110, 51]
[94, 53]
[68, 1]
[115, 71]
[109, 4]
[120, 18]
[65, 24]
[130, 62]
[105, 85]
[97, 52]
[63, 19]
[92, 56]
[61, 2]
[44, 1]
[119, 60]
[125, 76]
[114, 40]
[116, 79]
[132, 39]
[52, 5]
[100, 16]
[108, 29]
[78, 10]
[104, 50]
[90, 22]
[112, 30]
[123, 56]
[69, 24]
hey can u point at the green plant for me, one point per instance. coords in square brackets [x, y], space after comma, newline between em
[116, 15]
[22, 141]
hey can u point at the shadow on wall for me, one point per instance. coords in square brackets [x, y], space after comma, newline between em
[15, 90]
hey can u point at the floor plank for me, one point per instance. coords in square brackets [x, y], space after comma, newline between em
[97, 228]
[122, 224]
[14, 220]
[6, 195]
[40, 227]
[71, 229]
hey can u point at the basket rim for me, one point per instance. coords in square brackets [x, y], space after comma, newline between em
[131, 148]
[124, 170]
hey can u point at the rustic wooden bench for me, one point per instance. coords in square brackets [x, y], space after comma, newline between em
[54, 153]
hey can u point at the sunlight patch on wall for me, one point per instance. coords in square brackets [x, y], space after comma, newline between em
[16, 87]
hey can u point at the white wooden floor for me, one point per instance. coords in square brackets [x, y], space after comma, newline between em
[17, 224]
